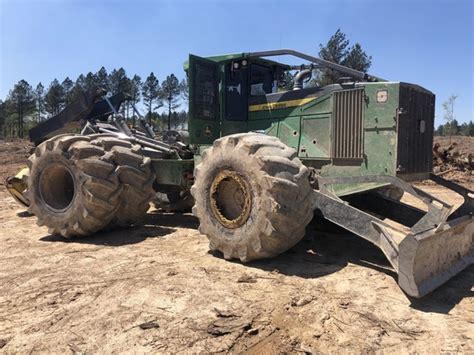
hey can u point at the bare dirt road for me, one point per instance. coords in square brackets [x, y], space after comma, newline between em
[156, 288]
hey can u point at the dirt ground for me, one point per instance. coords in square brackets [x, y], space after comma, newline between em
[156, 288]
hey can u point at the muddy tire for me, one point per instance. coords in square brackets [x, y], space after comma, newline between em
[135, 177]
[252, 196]
[73, 187]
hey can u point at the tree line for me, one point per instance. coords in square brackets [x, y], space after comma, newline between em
[453, 128]
[26, 105]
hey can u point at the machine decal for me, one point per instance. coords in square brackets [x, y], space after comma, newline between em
[281, 104]
[236, 88]
[382, 96]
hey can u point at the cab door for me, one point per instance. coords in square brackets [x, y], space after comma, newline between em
[235, 98]
[204, 108]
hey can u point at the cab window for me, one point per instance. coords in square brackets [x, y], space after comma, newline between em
[261, 80]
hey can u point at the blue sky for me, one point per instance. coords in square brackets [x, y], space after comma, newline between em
[420, 41]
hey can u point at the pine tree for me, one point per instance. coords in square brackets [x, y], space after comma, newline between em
[39, 98]
[68, 86]
[23, 100]
[357, 59]
[336, 48]
[90, 82]
[103, 79]
[336, 51]
[185, 89]
[2, 118]
[151, 94]
[135, 92]
[119, 82]
[448, 107]
[171, 90]
[79, 87]
[54, 99]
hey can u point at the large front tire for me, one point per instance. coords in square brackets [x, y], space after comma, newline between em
[253, 197]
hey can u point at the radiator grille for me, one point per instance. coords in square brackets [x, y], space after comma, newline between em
[348, 127]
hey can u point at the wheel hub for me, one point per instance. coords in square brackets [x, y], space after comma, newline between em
[56, 186]
[231, 199]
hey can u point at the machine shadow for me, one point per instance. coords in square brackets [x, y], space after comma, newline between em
[24, 214]
[116, 237]
[156, 225]
[444, 298]
[170, 219]
[320, 253]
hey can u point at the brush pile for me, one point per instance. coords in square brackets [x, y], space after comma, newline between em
[454, 158]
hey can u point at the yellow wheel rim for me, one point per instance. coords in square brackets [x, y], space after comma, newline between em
[231, 199]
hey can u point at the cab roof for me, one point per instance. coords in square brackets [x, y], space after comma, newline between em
[240, 56]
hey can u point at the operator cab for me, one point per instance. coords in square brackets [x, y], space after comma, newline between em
[245, 80]
[242, 92]
[224, 90]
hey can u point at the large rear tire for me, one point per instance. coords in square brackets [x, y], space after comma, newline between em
[252, 196]
[135, 177]
[79, 185]
[73, 188]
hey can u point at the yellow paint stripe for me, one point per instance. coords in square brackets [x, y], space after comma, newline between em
[280, 105]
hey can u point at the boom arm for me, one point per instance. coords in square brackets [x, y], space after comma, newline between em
[85, 107]
[340, 68]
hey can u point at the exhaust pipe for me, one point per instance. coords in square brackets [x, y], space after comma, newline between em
[299, 78]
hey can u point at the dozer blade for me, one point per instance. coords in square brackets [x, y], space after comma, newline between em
[429, 259]
[425, 248]
[17, 186]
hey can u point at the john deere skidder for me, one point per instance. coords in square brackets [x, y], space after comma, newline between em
[260, 161]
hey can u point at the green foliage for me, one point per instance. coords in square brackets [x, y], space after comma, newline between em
[55, 98]
[2, 113]
[171, 90]
[287, 81]
[452, 125]
[102, 79]
[39, 98]
[21, 104]
[337, 50]
[453, 128]
[151, 93]
[90, 81]
[79, 87]
[136, 88]
[357, 59]
[25, 106]
[179, 120]
[68, 85]
[119, 82]
[185, 89]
